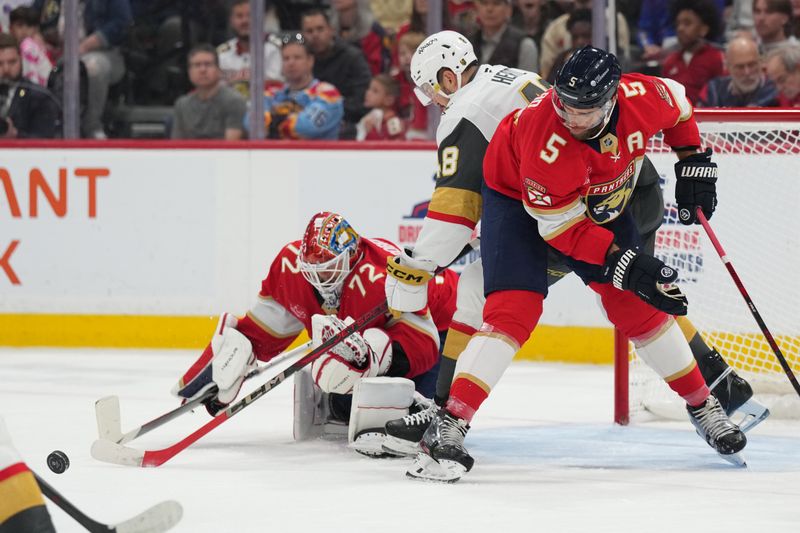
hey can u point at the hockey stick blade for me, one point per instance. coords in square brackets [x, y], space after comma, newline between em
[110, 452]
[107, 410]
[752, 306]
[156, 519]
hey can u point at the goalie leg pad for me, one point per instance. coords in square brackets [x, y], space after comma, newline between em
[310, 407]
[375, 402]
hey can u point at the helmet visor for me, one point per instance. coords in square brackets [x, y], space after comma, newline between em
[583, 119]
[425, 93]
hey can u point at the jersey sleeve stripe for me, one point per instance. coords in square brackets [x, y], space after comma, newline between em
[274, 319]
[461, 203]
[556, 211]
[560, 230]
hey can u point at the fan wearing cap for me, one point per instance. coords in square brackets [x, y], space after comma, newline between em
[316, 285]
[572, 158]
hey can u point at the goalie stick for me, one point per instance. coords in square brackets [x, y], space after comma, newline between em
[108, 416]
[156, 519]
[110, 452]
[739, 285]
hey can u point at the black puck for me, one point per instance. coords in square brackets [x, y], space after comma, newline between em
[58, 462]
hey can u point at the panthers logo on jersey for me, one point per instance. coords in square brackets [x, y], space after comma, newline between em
[605, 201]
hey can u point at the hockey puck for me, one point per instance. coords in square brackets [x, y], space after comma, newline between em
[58, 462]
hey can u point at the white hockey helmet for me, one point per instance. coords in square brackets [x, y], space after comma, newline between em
[446, 49]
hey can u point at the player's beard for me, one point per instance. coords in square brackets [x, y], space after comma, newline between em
[589, 133]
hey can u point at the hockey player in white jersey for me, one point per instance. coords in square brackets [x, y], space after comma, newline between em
[474, 99]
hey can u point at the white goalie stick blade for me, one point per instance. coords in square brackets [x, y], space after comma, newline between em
[111, 452]
[158, 518]
[107, 412]
[426, 468]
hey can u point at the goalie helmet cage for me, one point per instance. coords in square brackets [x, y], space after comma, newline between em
[758, 189]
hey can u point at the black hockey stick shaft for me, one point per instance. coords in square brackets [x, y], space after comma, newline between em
[54, 496]
[749, 301]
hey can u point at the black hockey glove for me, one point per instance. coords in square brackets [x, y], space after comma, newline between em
[695, 186]
[648, 278]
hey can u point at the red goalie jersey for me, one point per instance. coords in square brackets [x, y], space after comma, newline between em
[573, 187]
[287, 301]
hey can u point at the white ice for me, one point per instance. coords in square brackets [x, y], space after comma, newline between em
[548, 459]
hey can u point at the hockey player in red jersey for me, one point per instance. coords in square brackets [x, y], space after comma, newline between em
[572, 158]
[315, 285]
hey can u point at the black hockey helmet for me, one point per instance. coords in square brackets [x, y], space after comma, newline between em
[588, 79]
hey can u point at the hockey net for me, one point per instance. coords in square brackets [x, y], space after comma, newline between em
[757, 152]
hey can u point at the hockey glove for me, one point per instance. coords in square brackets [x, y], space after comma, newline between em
[357, 356]
[648, 278]
[695, 186]
[407, 283]
[224, 363]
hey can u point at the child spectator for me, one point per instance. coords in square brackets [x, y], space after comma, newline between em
[381, 123]
[696, 61]
[409, 107]
[36, 65]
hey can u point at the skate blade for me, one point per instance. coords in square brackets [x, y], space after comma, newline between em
[426, 468]
[400, 447]
[736, 459]
[753, 414]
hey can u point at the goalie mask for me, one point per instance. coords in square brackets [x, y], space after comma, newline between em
[329, 250]
[586, 91]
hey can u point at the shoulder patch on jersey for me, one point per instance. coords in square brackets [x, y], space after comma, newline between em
[663, 93]
[537, 193]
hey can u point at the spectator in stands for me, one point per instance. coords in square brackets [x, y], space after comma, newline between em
[746, 86]
[410, 108]
[304, 107]
[36, 65]
[579, 25]
[772, 19]
[27, 110]
[418, 24]
[531, 19]
[234, 55]
[212, 110]
[499, 43]
[391, 14]
[354, 23]
[105, 27]
[340, 64]
[783, 68]
[556, 38]
[696, 61]
[381, 123]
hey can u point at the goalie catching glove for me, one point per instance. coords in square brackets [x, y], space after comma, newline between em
[695, 186]
[407, 283]
[647, 277]
[338, 370]
[223, 365]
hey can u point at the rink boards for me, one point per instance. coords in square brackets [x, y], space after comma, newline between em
[132, 247]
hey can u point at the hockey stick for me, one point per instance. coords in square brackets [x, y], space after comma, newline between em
[110, 452]
[739, 285]
[108, 416]
[156, 519]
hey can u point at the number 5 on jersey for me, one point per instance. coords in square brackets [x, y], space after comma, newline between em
[550, 153]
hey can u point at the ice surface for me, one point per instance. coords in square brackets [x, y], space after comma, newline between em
[548, 459]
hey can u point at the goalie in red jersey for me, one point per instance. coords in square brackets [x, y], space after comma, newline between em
[316, 285]
[572, 157]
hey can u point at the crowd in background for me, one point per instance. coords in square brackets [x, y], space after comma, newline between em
[339, 69]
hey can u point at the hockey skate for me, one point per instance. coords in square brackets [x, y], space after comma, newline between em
[404, 434]
[719, 432]
[733, 391]
[442, 455]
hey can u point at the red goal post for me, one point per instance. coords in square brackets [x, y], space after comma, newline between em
[759, 189]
